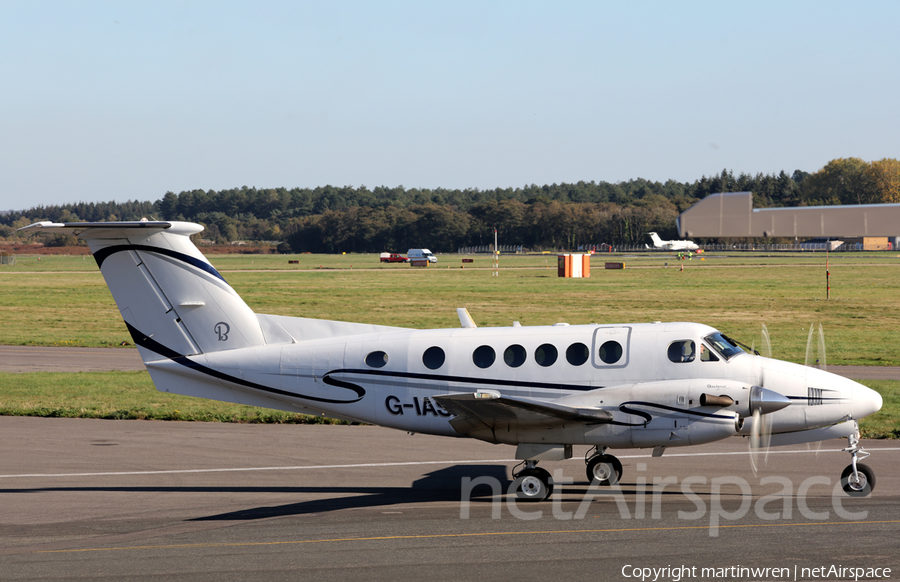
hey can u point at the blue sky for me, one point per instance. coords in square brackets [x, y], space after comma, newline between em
[127, 100]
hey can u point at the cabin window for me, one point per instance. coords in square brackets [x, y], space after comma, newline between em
[484, 356]
[611, 352]
[546, 355]
[433, 358]
[577, 354]
[514, 356]
[376, 359]
[681, 351]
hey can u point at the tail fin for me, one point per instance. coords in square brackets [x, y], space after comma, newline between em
[172, 299]
[657, 242]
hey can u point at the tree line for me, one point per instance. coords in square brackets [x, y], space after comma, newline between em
[359, 219]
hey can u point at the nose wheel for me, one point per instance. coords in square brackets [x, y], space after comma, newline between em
[857, 479]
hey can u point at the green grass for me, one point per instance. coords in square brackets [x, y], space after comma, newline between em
[734, 294]
[886, 422]
[123, 395]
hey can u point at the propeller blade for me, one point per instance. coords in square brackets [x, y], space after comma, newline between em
[760, 439]
[823, 363]
[815, 356]
[754, 439]
[765, 344]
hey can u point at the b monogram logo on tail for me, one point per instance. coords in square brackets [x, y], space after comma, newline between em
[222, 330]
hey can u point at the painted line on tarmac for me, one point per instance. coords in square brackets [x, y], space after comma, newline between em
[238, 469]
[460, 535]
[401, 464]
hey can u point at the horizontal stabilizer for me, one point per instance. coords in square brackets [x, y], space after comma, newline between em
[99, 227]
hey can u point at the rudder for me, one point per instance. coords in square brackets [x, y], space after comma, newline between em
[174, 302]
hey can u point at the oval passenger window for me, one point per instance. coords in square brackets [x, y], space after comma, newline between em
[610, 352]
[484, 356]
[577, 354]
[514, 356]
[545, 355]
[433, 358]
[376, 359]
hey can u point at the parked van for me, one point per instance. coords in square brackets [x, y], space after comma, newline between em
[420, 254]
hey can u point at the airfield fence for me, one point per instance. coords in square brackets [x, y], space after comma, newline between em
[753, 247]
[488, 249]
[789, 247]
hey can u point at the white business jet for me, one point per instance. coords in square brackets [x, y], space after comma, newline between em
[672, 245]
[542, 389]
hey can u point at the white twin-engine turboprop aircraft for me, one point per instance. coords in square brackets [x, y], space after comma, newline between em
[543, 388]
[672, 245]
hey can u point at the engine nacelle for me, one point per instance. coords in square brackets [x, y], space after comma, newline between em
[687, 431]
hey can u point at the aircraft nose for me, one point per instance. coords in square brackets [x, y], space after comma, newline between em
[857, 400]
[864, 401]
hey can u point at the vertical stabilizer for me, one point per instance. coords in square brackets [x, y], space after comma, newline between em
[173, 300]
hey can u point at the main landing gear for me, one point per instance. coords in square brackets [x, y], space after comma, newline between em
[857, 479]
[602, 469]
[533, 483]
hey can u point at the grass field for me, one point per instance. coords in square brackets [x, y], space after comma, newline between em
[62, 300]
[72, 306]
[121, 395]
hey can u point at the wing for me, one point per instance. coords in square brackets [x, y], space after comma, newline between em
[489, 410]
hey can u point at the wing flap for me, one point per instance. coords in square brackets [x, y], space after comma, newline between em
[480, 410]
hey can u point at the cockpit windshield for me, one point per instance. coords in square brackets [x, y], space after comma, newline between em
[727, 347]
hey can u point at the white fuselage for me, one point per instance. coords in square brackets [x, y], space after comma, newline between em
[673, 245]
[655, 401]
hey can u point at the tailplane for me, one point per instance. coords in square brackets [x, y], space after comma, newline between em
[174, 302]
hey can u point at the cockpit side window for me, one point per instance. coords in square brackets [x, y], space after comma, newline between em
[706, 354]
[681, 351]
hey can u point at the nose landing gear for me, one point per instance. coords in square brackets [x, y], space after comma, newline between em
[857, 479]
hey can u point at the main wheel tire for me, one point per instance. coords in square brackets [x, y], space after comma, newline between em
[533, 484]
[866, 481]
[604, 470]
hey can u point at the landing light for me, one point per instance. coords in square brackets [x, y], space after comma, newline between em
[487, 395]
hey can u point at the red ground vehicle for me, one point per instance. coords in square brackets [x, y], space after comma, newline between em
[393, 258]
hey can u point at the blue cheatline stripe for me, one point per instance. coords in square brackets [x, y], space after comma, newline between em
[624, 407]
[670, 409]
[142, 340]
[466, 380]
[812, 398]
[103, 254]
[156, 347]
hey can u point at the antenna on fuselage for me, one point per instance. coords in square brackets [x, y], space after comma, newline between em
[465, 320]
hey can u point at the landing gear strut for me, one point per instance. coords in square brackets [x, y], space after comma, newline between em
[602, 469]
[857, 479]
[533, 483]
